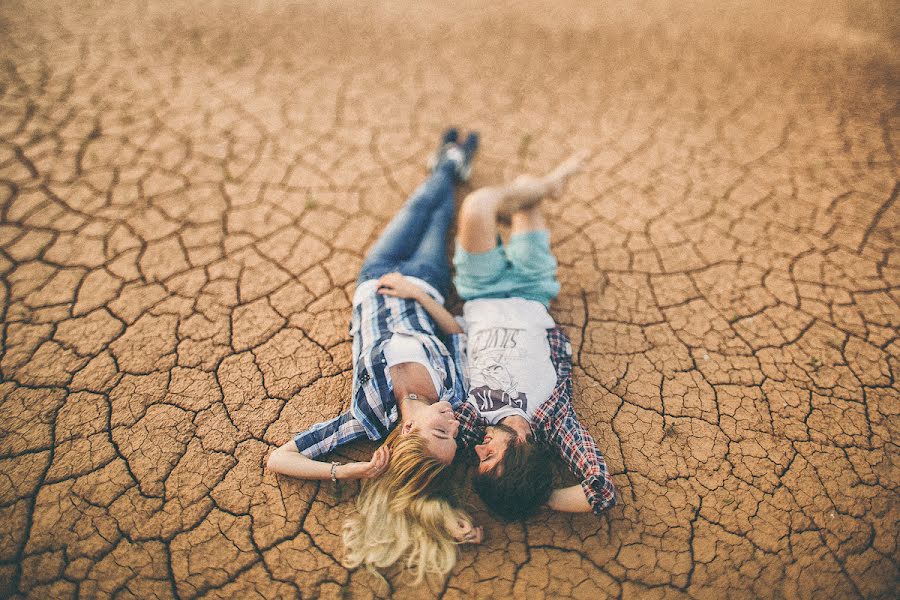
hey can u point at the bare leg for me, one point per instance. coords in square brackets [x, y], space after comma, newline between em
[528, 190]
[524, 221]
[478, 217]
[477, 225]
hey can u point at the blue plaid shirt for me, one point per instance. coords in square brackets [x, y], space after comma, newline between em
[373, 410]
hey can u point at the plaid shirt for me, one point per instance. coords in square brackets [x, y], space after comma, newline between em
[555, 426]
[373, 411]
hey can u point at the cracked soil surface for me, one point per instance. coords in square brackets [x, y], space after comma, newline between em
[186, 192]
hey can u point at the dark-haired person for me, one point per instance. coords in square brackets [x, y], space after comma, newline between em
[519, 407]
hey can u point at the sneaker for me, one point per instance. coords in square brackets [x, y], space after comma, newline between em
[469, 147]
[450, 136]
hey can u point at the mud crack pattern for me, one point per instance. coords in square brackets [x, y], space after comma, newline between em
[186, 192]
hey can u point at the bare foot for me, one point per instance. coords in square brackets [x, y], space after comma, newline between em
[556, 179]
[527, 190]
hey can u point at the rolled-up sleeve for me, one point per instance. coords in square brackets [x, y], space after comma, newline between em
[600, 493]
[576, 447]
[324, 437]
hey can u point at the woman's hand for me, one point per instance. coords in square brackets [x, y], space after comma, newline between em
[464, 531]
[366, 470]
[395, 284]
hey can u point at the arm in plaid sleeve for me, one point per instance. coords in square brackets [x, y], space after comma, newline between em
[471, 423]
[576, 447]
[296, 458]
[324, 437]
[557, 426]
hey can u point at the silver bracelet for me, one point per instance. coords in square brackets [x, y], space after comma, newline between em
[334, 466]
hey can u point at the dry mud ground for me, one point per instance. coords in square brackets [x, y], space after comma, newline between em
[187, 190]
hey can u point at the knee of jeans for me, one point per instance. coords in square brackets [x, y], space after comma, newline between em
[429, 273]
[375, 270]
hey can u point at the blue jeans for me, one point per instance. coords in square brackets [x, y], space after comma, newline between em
[415, 241]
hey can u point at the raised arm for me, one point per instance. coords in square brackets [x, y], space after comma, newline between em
[395, 284]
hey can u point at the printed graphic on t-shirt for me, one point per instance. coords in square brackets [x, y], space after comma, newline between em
[488, 400]
[496, 352]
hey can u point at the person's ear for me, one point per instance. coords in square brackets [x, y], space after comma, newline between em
[406, 427]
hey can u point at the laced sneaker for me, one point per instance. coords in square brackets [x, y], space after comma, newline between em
[450, 136]
[469, 147]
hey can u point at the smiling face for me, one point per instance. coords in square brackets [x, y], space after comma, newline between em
[490, 452]
[438, 426]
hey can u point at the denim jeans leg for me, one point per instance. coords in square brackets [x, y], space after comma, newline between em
[429, 261]
[403, 235]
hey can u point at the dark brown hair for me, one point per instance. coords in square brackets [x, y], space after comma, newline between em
[523, 485]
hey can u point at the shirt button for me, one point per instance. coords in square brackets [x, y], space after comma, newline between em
[364, 377]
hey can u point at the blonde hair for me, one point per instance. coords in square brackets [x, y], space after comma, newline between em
[404, 514]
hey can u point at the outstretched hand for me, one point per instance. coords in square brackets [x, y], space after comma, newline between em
[380, 462]
[395, 284]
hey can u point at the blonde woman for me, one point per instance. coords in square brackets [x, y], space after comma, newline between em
[406, 368]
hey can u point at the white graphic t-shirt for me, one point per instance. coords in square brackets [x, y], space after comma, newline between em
[510, 372]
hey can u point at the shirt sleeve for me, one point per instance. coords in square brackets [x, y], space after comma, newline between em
[324, 437]
[471, 426]
[557, 426]
[576, 447]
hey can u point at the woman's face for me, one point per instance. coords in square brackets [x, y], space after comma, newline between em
[438, 426]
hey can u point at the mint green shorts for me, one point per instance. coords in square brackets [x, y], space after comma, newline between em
[523, 268]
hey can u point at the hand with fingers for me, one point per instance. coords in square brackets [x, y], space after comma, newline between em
[464, 531]
[376, 467]
[395, 284]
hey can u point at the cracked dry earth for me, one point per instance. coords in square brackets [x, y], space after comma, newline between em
[186, 194]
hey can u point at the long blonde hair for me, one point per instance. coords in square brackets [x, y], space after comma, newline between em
[404, 513]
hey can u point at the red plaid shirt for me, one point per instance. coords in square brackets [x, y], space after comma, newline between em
[556, 427]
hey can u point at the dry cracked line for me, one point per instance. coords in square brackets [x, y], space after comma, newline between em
[186, 194]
